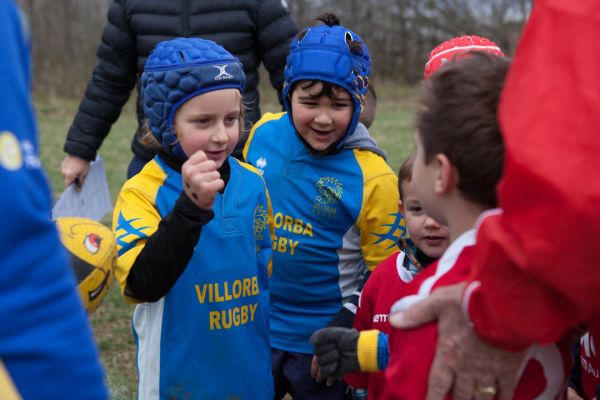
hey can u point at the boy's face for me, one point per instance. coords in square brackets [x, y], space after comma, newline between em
[321, 121]
[424, 177]
[209, 122]
[426, 233]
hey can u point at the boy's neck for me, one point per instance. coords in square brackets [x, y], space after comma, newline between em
[461, 216]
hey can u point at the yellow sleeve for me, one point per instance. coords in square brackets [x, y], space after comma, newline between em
[8, 390]
[380, 222]
[135, 218]
[264, 119]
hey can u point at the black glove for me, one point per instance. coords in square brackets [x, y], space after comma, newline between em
[335, 349]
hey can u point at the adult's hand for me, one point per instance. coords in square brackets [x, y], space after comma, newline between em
[464, 364]
[74, 170]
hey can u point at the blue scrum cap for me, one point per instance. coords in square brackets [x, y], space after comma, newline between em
[178, 70]
[322, 53]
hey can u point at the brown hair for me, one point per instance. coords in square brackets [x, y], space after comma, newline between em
[146, 137]
[330, 19]
[328, 89]
[367, 115]
[405, 172]
[457, 117]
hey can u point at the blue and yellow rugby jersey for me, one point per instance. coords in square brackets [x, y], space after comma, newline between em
[208, 337]
[335, 217]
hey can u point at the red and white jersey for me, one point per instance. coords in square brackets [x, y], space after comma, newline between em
[384, 287]
[545, 368]
[590, 360]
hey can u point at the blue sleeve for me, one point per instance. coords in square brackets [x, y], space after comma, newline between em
[46, 343]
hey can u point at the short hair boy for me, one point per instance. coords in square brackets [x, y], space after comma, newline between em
[458, 164]
[428, 241]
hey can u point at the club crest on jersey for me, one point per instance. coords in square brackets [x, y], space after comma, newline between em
[261, 221]
[330, 190]
[223, 74]
[329, 194]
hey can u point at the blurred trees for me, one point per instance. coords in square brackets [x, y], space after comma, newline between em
[65, 35]
[400, 33]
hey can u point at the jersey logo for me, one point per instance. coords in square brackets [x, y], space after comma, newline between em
[130, 236]
[380, 318]
[394, 231]
[223, 74]
[261, 163]
[330, 190]
[11, 157]
[261, 220]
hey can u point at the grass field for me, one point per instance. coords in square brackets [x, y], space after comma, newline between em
[111, 322]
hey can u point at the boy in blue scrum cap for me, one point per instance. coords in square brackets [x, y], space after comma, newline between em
[335, 200]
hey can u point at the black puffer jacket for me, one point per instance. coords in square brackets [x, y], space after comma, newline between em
[253, 30]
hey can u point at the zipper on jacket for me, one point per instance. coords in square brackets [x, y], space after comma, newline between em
[185, 18]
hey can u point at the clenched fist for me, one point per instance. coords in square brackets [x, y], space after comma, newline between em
[201, 180]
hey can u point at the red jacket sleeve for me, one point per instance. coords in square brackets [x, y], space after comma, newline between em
[537, 270]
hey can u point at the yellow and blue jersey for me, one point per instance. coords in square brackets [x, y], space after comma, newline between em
[208, 337]
[335, 217]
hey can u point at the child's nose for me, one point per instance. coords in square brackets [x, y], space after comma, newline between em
[219, 134]
[431, 223]
[323, 117]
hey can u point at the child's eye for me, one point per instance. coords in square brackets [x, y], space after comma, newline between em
[309, 104]
[341, 105]
[201, 121]
[415, 209]
[232, 119]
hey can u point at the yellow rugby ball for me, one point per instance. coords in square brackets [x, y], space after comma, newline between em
[92, 253]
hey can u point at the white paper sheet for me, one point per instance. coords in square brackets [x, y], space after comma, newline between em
[93, 201]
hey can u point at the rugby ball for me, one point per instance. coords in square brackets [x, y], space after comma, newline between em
[92, 254]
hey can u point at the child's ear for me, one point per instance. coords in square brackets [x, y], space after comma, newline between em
[447, 176]
[401, 207]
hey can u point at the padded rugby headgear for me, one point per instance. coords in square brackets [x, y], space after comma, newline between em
[178, 70]
[458, 47]
[322, 53]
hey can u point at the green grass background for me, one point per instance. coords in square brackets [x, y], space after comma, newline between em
[112, 321]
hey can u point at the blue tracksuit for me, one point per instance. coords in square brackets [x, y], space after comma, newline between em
[46, 345]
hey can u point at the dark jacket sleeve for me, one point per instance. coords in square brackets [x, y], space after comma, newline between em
[167, 252]
[275, 32]
[113, 79]
[345, 316]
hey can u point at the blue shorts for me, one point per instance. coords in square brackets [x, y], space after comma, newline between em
[291, 373]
